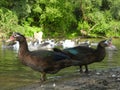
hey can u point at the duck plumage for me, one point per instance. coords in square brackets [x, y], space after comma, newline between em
[85, 54]
[44, 61]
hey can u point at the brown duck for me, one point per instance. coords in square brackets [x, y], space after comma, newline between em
[44, 61]
[87, 55]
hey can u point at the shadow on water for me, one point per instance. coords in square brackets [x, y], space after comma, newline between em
[13, 74]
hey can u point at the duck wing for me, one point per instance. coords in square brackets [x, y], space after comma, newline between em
[76, 52]
[49, 55]
[80, 51]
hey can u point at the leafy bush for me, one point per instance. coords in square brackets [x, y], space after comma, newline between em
[114, 29]
[9, 22]
[115, 9]
[61, 18]
[29, 31]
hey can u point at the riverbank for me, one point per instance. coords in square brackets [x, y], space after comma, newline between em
[108, 79]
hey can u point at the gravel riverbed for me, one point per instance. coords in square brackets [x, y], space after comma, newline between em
[108, 79]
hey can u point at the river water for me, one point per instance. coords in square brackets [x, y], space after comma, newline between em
[14, 75]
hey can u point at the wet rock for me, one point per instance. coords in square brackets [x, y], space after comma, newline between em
[103, 82]
[96, 80]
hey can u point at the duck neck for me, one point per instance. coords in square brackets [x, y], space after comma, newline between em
[23, 48]
[100, 53]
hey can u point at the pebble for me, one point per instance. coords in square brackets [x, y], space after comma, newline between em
[54, 84]
[98, 73]
[113, 75]
[118, 79]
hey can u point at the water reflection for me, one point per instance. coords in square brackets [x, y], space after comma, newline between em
[13, 74]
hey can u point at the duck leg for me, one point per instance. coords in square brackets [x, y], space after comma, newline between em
[86, 69]
[81, 71]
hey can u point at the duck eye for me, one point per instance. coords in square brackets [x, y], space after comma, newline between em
[16, 35]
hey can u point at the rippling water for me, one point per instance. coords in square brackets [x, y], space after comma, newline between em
[13, 74]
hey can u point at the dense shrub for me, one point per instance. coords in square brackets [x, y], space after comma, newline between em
[61, 18]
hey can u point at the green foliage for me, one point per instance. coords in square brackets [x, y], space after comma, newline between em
[8, 21]
[115, 9]
[57, 17]
[61, 18]
[83, 25]
[114, 29]
[21, 8]
[29, 31]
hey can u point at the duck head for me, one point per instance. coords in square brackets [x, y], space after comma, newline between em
[105, 43]
[17, 37]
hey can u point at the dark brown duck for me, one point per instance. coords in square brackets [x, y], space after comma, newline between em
[43, 61]
[87, 55]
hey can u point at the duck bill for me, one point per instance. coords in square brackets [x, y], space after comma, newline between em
[10, 39]
[109, 42]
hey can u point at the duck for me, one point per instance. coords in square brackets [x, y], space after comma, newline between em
[47, 44]
[68, 43]
[87, 55]
[86, 43]
[16, 46]
[43, 61]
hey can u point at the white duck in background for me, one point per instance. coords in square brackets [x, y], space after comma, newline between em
[46, 44]
[16, 46]
[86, 43]
[68, 43]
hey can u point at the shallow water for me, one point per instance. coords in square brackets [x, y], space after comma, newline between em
[14, 75]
